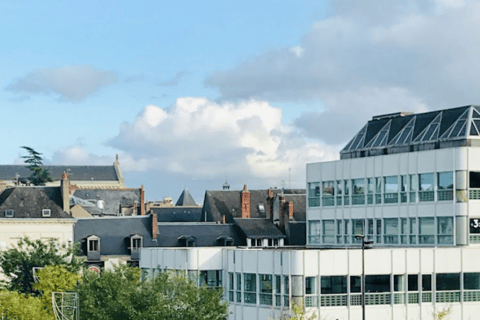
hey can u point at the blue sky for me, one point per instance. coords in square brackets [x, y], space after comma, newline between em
[190, 93]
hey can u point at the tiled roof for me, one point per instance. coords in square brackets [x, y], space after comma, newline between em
[259, 228]
[178, 214]
[113, 199]
[185, 199]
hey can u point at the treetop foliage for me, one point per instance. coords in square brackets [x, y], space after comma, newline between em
[34, 160]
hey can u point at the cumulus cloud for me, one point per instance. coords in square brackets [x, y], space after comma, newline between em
[77, 155]
[206, 140]
[369, 58]
[73, 83]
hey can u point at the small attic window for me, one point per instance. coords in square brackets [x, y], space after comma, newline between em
[9, 213]
[46, 213]
[261, 207]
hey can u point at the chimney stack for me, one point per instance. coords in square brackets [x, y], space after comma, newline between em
[65, 191]
[142, 201]
[154, 226]
[245, 203]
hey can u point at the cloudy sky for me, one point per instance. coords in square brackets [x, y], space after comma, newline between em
[191, 93]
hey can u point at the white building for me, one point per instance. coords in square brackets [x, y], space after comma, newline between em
[401, 283]
[403, 180]
[410, 183]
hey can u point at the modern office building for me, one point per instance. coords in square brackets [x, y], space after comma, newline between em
[409, 182]
[404, 180]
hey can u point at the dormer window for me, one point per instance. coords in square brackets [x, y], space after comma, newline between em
[136, 242]
[46, 213]
[93, 245]
[9, 213]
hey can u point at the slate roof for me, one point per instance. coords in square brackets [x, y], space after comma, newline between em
[185, 199]
[75, 173]
[178, 214]
[405, 132]
[28, 202]
[259, 228]
[113, 199]
[228, 203]
[299, 205]
[114, 231]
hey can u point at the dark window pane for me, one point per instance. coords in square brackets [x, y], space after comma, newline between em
[471, 281]
[355, 284]
[377, 283]
[474, 179]
[334, 284]
[412, 282]
[427, 282]
[448, 281]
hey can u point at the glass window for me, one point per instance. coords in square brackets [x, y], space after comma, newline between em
[426, 230]
[426, 282]
[329, 227]
[314, 189]
[475, 226]
[474, 179]
[358, 186]
[212, 278]
[413, 282]
[230, 281]
[447, 281]
[310, 285]
[334, 284]
[391, 226]
[370, 226]
[413, 182]
[445, 225]
[377, 283]
[398, 283]
[357, 227]
[346, 227]
[371, 185]
[378, 185]
[328, 188]
[445, 180]
[250, 288]
[426, 181]
[339, 187]
[265, 283]
[391, 184]
[278, 284]
[339, 226]
[346, 187]
[404, 184]
[286, 286]
[404, 229]
[355, 284]
[471, 281]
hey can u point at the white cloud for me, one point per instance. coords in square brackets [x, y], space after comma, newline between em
[205, 140]
[72, 83]
[77, 155]
[369, 58]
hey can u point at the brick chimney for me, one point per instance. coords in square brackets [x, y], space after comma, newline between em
[290, 210]
[154, 226]
[142, 201]
[245, 202]
[65, 191]
[269, 205]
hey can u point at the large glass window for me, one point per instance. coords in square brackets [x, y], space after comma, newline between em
[377, 283]
[413, 187]
[474, 180]
[426, 282]
[286, 290]
[426, 230]
[339, 192]
[413, 282]
[355, 284]
[250, 288]
[239, 287]
[357, 228]
[379, 230]
[266, 291]
[358, 191]
[391, 231]
[328, 193]
[398, 283]
[212, 278]
[346, 190]
[378, 190]
[314, 231]
[390, 189]
[413, 230]
[328, 231]
[314, 194]
[334, 285]
[278, 291]
[310, 285]
[339, 231]
[426, 187]
[404, 230]
[471, 281]
[447, 281]
[445, 230]
[445, 186]
[404, 189]
[370, 190]
[345, 229]
[231, 287]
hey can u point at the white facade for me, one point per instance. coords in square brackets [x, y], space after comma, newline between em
[422, 198]
[411, 283]
[12, 230]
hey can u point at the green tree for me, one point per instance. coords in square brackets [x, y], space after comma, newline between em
[17, 263]
[119, 294]
[34, 160]
[14, 305]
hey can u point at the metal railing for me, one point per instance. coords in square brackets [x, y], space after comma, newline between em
[425, 196]
[358, 199]
[328, 201]
[390, 198]
[314, 202]
[444, 195]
